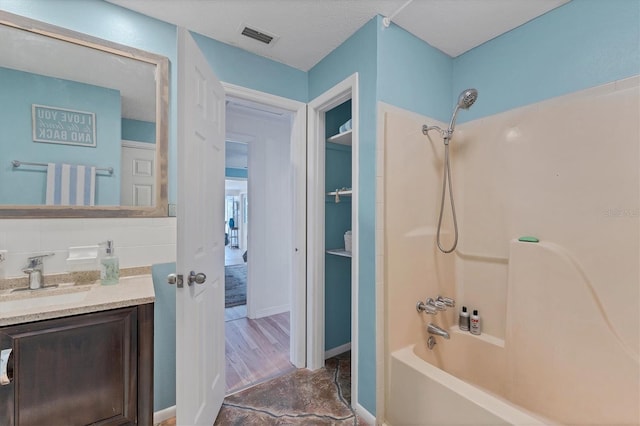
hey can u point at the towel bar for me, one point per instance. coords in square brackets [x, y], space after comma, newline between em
[16, 163]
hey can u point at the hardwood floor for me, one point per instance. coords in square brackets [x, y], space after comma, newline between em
[256, 350]
[235, 312]
[233, 256]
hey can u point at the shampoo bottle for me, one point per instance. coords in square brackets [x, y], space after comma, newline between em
[109, 266]
[475, 323]
[463, 319]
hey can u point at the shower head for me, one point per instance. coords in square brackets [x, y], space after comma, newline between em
[465, 100]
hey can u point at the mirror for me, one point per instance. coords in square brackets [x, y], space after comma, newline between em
[84, 125]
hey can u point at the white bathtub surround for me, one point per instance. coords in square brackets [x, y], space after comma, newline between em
[138, 241]
[560, 317]
[422, 394]
[565, 357]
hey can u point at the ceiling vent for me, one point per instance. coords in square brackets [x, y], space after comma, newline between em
[258, 35]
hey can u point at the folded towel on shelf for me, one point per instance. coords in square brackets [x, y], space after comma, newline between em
[345, 127]
[70, 185]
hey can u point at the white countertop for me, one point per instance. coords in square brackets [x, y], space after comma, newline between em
[66, 300]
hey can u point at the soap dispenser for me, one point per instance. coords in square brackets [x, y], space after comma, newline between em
[109, 266]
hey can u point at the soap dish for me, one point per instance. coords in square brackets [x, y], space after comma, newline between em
[83, 258]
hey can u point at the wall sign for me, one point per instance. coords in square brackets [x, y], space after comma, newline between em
[63, 126]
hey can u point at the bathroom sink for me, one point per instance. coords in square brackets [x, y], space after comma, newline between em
[47, 298]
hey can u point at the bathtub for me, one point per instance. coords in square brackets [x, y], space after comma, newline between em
[421, 393]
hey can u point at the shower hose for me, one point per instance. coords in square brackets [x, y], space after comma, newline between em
[447, 178]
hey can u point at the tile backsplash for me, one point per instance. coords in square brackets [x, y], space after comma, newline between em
[138, 242]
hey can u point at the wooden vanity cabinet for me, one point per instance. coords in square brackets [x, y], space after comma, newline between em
[94, 368]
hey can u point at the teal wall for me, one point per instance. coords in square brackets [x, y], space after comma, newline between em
[110, 22]
[337, 269]
[231, 64]
[164, 338]
[18, 92]
[336, 117]
[359, 54]
[236, 173]
[140, 131]
[242, 68]
[582, 44]
[425, 73]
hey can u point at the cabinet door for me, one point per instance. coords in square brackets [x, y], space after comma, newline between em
[73, 371]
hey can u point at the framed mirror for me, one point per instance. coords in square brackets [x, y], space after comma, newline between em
[84, 125]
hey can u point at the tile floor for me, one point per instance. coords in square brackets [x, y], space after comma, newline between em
[303, 397]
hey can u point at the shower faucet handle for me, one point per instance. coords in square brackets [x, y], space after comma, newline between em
[449, 302]
[422, 307]
[440, 306]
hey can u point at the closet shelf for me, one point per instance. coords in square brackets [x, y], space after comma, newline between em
[339, 252]
[343, 138]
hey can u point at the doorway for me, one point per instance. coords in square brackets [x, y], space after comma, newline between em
[236, 229]
[327, 247]
[261, 240]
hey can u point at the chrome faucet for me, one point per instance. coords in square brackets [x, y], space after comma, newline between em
[426, 307]
[431, 306]
[35, 269]
[447, 301]
[434, 329]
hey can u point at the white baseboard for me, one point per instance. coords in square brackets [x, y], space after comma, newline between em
[369, 418]
[162, 415]
[267, 312]
[337, 350]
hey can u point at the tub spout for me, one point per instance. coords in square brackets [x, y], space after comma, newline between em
[434, 329]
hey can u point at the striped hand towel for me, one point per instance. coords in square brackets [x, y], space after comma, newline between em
[70, 185]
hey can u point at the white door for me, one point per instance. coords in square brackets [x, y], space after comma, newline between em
[137, 187]
[200, 345]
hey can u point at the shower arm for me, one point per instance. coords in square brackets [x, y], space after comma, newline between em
[446, 134]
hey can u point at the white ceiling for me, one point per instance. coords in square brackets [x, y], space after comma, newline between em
[308, 30]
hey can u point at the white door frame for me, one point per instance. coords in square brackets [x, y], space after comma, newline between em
[343, 91]
[298, 160]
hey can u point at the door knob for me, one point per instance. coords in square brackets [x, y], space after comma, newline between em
[175, 279]
[199, 278]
